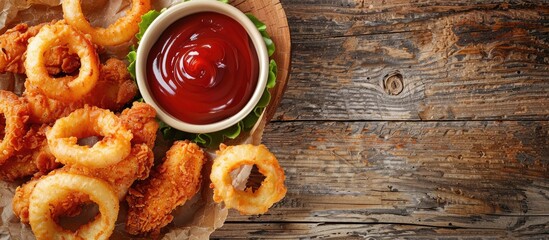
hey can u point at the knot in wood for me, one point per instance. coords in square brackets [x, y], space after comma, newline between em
[393, 84]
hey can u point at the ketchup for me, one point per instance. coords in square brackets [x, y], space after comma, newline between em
[203, 68]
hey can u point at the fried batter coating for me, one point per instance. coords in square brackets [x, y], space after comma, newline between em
[46, 110]
[170, 185]
[121, 176]
[112, 91]
[34, 158]
[113, 146]
[71, 205]
[140, 120]
[136, 166]
[247, 202]
[13, 45]
[60, 61]
[114, 88]
[119, 32]
[14, 117]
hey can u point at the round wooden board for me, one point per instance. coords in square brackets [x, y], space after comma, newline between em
[272, 14]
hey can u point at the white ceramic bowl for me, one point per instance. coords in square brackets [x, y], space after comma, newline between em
[175, 13]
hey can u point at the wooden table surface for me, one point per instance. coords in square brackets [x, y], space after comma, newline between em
[411, 119]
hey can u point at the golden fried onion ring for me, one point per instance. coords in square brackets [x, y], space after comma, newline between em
[16, 114]
[85, 122]
[272, 189]
[65, 88]
[121, 31]
[54, 188]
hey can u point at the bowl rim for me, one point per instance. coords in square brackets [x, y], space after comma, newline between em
[166, 19]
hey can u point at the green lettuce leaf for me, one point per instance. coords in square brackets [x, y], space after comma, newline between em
[223, 1]
[146, 21]
[263, 30]
[212, 140]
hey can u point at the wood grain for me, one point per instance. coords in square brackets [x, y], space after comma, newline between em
[391, 125]
[469, 175]
[459, 60]
[356, 231]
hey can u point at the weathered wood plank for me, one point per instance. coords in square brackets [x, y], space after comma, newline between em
[458, 60]
[480, 174]
[358, 231]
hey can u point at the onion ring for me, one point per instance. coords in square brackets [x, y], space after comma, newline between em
[54, 188]
[16, 114]
[272, 189]
[65, 88]
[121, 31]
[85, 122]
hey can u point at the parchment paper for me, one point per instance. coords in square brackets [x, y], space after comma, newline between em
[200, 216]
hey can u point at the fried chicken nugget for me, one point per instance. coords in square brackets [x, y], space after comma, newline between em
[170, 185]
[34, 157]
[112, 91]
[27, 164]
[140, 120]
[59, 61]
[13, 46]
[13, 121]
[114, 88]
[121, 175]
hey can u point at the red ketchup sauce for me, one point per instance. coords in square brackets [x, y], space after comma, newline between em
[203, 68]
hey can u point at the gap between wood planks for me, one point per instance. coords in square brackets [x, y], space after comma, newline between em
[359, 223]
[274, 121]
